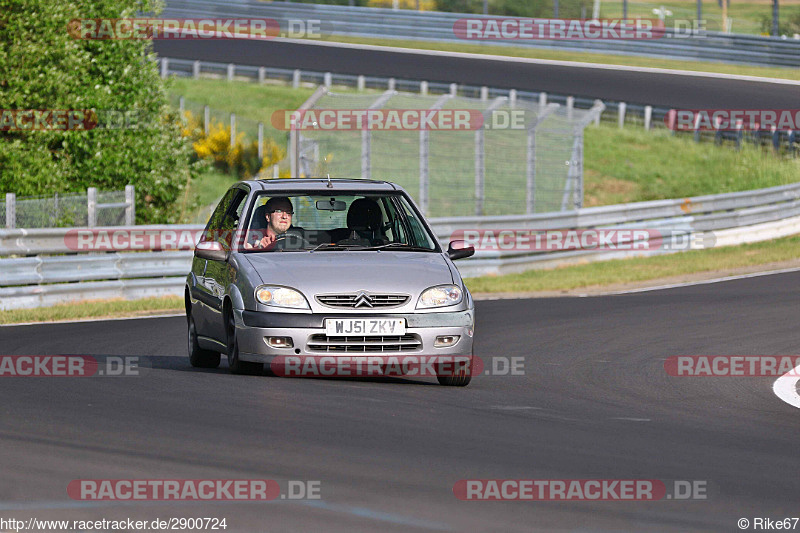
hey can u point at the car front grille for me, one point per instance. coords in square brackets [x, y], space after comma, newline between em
[362, 300]
[359, 344]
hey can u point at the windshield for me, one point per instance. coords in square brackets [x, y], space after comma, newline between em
[349, 221]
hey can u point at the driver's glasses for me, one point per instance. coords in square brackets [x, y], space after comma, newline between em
[282, 212]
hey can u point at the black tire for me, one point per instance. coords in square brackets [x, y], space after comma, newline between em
[236, 365]
[198, 357]
[459, 378]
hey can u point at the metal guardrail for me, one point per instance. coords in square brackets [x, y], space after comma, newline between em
[437, 26]
[31, 278]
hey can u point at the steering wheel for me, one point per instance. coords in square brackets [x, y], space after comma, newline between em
[290, 241]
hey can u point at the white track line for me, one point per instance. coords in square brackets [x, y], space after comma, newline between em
[785, 387]
[572, 64]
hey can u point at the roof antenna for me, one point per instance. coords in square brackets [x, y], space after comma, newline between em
[330, 185]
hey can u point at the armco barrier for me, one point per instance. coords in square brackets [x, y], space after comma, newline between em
[31, 276]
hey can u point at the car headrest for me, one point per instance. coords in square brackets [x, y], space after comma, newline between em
[364, 213]
[260, 218]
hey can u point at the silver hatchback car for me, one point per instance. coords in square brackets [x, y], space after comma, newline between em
[340, 269]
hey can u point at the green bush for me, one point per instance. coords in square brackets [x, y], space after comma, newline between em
[43, 67]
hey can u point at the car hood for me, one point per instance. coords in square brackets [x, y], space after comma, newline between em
[351, 271]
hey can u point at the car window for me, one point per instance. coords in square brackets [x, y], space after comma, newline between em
[343, 220]
[225, 219]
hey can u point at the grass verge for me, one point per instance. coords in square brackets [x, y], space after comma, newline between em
[606, 273]
[94, 309]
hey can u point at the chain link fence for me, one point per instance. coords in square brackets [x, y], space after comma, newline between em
[93, 208]
[516, 157]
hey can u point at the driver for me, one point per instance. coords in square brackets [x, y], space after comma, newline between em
[279, 213]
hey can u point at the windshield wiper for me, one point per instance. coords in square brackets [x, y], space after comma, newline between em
[398, 244]
[331, 246]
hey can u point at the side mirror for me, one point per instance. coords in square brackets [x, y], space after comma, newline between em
[212, 250]
[459, 250]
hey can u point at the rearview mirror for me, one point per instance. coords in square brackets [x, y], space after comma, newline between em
[459, 250]
[331, 205]
[212, 250]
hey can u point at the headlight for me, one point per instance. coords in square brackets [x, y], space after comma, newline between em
[440, 296]
[281, 297]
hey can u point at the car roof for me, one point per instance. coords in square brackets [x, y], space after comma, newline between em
[322, 184]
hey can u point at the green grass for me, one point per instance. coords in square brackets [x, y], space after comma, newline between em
[585, 57]
[93, 309]
[640, 269]
[252, 102]
[745, 17]
[633, 165]
[621, 165]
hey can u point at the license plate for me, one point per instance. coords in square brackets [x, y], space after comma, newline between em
[364, 326]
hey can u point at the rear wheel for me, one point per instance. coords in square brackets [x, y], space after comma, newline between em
[460, 377]
[198, 357]
[236, 365]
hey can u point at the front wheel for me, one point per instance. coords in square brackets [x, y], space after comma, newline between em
[460, 377]
[236, 365]
[198, 357]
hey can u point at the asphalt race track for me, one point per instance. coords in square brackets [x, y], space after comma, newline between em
[594, 403]
[658, 89]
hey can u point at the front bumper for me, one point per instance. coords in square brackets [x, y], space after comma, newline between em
[253, 327]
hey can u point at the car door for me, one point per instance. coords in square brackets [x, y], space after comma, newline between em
[220, 273]
[206, 314]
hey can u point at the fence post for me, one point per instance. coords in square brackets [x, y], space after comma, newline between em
[296, 78]
[231, 70]
[597, 116]
[484, 93]
[530, 172]
[480, 170]
[262, 74]
[260, 141]
[570, 106]
[622, 107]
[11, 210]
[361, 82]
[391, 84]
[196, 69]
[453, 89]
[233, 130]
[542, 99]
[130, 211]
[423, 88]
[648, 116]
[91, 206]
[512, 97]
[164, 67]
[206, 119]
[327, 79]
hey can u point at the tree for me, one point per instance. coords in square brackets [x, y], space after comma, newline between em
[42, 66]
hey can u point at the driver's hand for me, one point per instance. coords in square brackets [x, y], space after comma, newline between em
[265, 241]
